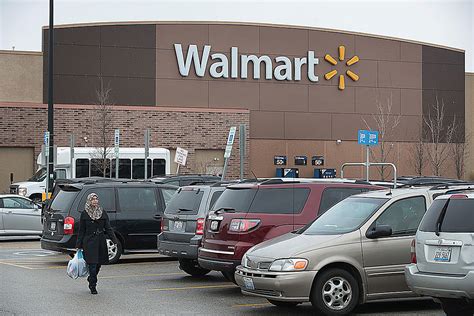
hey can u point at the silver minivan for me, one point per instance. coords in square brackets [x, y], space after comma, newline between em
[353, 253]
[443, 255]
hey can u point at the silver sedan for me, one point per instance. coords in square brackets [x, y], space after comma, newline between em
[19, 216]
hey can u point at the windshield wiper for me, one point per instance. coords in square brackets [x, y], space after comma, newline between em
[224, 210]
[185, 210]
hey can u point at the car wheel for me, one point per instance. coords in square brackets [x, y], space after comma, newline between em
[335, 292]
[114, 251]
[456, 307]
[191, 267]
[229, 276]
[283, 304]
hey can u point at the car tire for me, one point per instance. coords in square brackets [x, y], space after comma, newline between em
[335, 292]
[457, 307]
[114, 251]
[229, 276]
[283, 304]
[192, 268]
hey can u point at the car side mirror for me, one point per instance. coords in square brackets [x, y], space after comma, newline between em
[379, 231]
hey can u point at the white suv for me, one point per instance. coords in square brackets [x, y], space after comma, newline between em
[443, 254]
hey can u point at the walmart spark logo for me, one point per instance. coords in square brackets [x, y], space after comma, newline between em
[349, 63]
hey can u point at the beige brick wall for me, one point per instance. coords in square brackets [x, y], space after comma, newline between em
[21, 76]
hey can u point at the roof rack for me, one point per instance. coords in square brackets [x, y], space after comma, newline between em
[447, 185]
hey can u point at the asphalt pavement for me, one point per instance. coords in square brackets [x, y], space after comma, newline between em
[34, 282]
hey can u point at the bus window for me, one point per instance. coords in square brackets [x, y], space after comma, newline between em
[98, 166]
[125, 168]
[60, 173]
[159, 167]
[82, 168]
[138, 170]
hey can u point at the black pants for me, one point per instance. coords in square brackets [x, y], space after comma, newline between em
[94, 269]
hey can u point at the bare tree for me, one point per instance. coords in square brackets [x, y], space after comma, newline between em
[102, 122]
[418, 153]
[385, 123]
[459, 150]
[439, 135]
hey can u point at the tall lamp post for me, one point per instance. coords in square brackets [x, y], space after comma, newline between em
[50, 98]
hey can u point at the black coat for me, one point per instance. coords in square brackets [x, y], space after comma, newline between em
[92, 238]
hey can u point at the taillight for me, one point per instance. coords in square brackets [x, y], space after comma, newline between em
[200, 226]
[163, 225]
[69, 225]
[243, 225]
[413, 251]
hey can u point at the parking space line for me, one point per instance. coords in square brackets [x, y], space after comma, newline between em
[252, 305]
[16, 265]
[141, 275]
[194, 287]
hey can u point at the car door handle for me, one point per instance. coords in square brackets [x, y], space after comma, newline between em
[158, 217]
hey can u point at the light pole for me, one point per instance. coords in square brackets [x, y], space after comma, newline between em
[50, 98]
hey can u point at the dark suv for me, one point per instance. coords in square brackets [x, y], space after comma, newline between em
[135, 210]
[247, 214]
[183, 224]
[186, 179]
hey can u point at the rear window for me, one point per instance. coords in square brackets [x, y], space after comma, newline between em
[214, 198]
[63, 200]
[279, 201]
[185, 202]
[428, 224]
[332, 196]
[237, 199]
[459, 216]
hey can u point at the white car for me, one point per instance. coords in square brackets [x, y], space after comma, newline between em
[19, 216]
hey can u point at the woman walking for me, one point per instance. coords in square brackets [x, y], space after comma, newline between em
[93, 226]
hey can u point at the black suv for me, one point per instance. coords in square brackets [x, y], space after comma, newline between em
[186, 179]
[135, 209]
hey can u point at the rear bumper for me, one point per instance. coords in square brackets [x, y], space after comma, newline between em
[439, 285]
[179, 249]
[67, 244]
[218, 265]
[278, 286]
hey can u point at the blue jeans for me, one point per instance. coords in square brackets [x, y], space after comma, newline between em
[94, 269]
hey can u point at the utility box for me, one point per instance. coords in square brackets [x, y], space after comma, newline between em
[287, 173]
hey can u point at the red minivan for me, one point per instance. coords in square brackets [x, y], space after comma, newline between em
[249, 213]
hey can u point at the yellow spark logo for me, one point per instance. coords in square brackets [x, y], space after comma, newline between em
[333, 62]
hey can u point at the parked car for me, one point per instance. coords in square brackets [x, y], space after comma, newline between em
[353, 253]
[186, 179]
[19, 216]
[247, 214]
[183, 224]
[135, 209]
[443, 254]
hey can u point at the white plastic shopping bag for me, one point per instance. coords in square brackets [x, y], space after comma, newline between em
[77, 266]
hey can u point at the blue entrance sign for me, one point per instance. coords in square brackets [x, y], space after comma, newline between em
[368, 138]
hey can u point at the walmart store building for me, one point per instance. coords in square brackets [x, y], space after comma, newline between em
[301, 92]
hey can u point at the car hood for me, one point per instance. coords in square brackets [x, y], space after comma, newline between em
[290, 245]
[27, 184]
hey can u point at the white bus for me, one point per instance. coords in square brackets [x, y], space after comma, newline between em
[86, 163]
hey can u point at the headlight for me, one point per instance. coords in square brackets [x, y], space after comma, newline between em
[288, 265]
[22, 191]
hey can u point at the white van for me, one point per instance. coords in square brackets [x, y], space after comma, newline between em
[87, 163]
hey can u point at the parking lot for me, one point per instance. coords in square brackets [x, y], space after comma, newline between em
[34, 281]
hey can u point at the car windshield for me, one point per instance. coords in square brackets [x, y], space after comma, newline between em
[39, 176]
[344, 217]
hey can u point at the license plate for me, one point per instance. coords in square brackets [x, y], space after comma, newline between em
[178, 226]
[442, 254]
[248, 283]
[214, 225]
[52, 226]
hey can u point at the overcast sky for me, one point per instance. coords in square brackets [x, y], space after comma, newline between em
[443, 22]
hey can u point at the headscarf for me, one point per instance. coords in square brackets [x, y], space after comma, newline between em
[94, 212]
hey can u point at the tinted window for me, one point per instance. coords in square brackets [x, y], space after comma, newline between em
[214, 198]
[185, 202]
[278, 201]
[100, 167]
[106, 198]
[159, 167]
[125, 168]
[403, 216]
[82, 168]
[137, 200]
[428, 224]
[459, 217]
[237, 199]
[331, 196]
[138, 170]
[346, 216]
[167, 195]
[63, 200]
